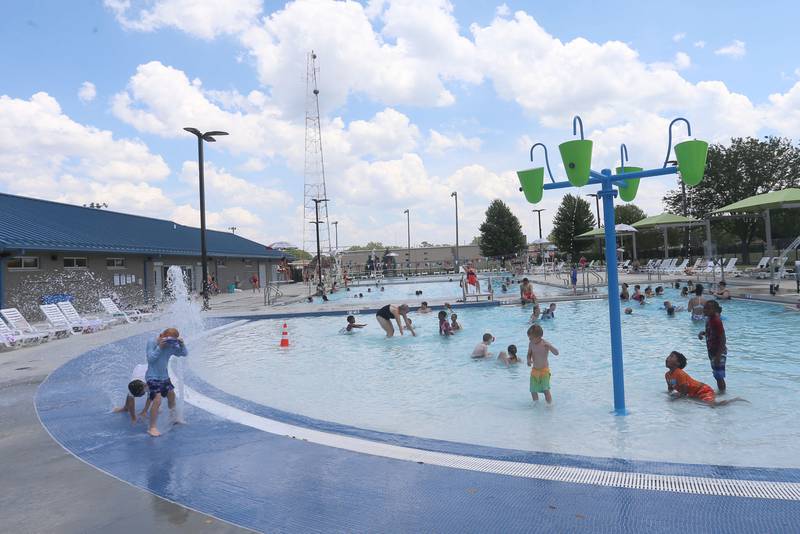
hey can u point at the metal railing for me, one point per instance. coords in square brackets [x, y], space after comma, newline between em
[271, 292]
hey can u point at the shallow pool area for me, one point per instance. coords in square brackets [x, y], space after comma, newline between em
[428, 386]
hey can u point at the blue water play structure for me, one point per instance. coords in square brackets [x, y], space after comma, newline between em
[577, 157]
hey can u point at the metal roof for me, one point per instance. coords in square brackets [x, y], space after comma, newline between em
[785, 198]
[665, 219]
[34, 224]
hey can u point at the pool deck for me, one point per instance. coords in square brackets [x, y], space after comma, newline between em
[237, 474]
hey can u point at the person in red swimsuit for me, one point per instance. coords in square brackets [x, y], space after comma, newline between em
[472, 279]
[680, 384]
[716, 344]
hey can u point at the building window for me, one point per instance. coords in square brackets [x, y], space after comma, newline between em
[115, 263]
[75, 263]
[21, 263]
[124, 279]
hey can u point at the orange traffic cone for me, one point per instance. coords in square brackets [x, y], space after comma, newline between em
[284, 337]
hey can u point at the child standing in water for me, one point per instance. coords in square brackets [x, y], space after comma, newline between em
[715, 341]
[454, 324]
[159, 351]
[680, 384]
[538, 349]
[444, 327]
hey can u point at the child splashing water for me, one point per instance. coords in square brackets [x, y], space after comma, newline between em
[680, 384]
[159, 351]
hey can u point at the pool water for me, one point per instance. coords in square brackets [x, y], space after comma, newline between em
[431, 291]
[429, 386]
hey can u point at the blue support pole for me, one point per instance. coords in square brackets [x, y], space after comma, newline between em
[607, 193]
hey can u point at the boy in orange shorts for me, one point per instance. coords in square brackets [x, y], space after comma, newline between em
[538, 349]
[680, 384]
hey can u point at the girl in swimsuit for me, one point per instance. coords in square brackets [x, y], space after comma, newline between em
[389, 312]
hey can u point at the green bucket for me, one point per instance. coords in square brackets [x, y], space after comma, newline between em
[577, 158]
[627, 192]
[532, 182]
[691, 160]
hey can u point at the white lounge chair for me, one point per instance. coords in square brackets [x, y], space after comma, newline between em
[12, 339]
[58, 323]
[130, 316]
[21, 326]
[762, 264]
[698, 262]
[730, 267]
[85, 323]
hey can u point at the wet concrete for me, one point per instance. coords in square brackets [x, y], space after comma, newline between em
[45, 489]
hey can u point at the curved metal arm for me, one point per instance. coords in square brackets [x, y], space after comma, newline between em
[669, 146]
[623, 156]
[546, 161]
[576, 120]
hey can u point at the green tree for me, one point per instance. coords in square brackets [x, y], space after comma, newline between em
[299, 254]
[377, 245]
[574, 217]
[501, 233]
[628, 214]
[747, 167]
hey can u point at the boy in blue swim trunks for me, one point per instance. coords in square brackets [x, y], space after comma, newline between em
[159, 351]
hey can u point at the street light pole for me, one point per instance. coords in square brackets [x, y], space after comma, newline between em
[408, 222]
[317, 222]
[455, 195]
[208, 137]
[539, 213]
[336, 229]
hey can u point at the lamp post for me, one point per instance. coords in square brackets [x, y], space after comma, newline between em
[408, 224]
[539, 213]
[317, 222]
[336, 230]
[454, 194]
[208, 137]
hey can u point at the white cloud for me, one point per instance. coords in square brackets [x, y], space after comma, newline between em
[197, 17]
[679, 37]
[502, 10]
[388, 134]
[680, 62]
[699, 44]
[221, 185]
[440, 143]
[87, 92]
[734, 50]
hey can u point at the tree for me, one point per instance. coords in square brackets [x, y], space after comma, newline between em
[628, 214]
[574, 217]
[747, 167]
[501, 233]
[377, 245]
[475, 240]
[299, 254]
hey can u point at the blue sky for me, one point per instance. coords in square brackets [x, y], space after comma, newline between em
[419, 98]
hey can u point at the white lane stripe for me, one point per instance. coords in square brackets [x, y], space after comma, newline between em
[578, 475]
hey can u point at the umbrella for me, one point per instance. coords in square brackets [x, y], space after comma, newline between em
[392, 255]
[539, 241]
[552, 247]
[281, 245]
[624, 228]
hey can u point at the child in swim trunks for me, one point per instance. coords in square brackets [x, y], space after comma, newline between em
[538, 349]
[454, 324]
[159, 351]
[680, 384]
[716, 344]
[137, 387]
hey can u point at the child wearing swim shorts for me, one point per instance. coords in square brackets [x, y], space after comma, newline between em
[680, 384]
[159, 351]
[538, 349]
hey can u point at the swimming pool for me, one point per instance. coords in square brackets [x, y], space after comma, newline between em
[431, 290]
[428, 386]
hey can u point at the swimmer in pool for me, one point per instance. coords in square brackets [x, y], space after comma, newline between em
[481, 350]
[696, 303]
[550, 312]
[722, 292]
[659, 291]
[445, 329]
[628, 311]
[393, 312]
[424, 308]
[352, 325]
[510, 357]
[454, 324]
[536, 314]
[680, 384]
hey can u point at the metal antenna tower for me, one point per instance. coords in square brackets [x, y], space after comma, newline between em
[314, 171]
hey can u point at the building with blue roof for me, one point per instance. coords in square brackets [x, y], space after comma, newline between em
[49, 248]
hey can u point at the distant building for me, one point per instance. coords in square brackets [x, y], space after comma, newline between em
[423, 259]
[49, 248]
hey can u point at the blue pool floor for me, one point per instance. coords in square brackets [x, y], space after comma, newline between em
[279, 484]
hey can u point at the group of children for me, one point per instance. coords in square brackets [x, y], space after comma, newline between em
[153, 379]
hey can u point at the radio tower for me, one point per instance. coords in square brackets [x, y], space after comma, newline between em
[314, 172]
